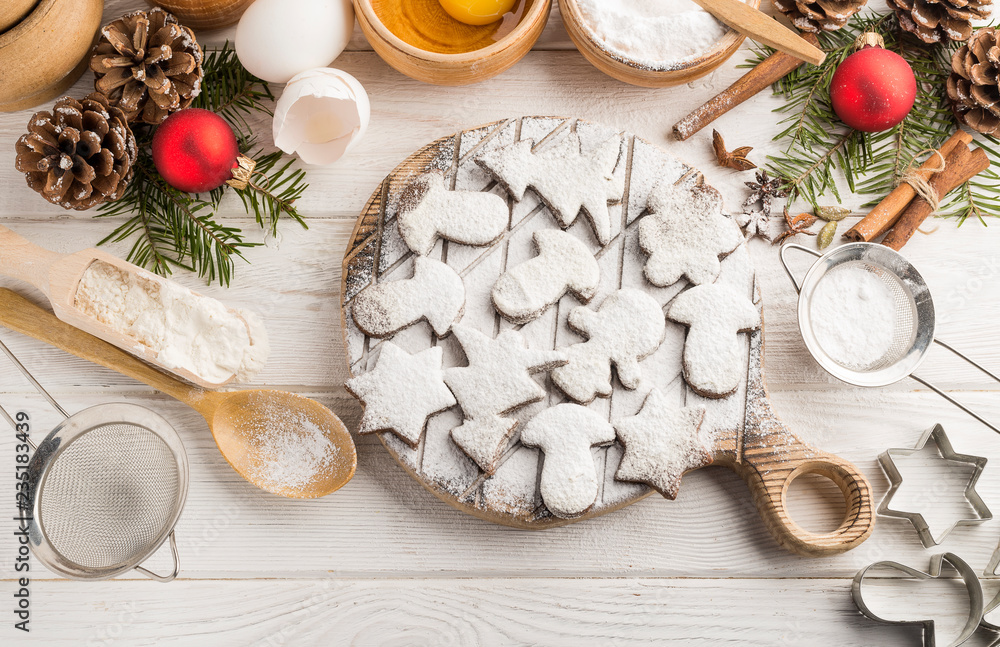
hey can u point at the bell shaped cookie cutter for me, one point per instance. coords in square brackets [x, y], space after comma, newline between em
[969, 577]
[947, 452]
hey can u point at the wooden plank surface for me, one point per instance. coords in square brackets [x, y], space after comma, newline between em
[384, 562]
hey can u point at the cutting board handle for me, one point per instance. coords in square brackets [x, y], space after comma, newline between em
[771, 465]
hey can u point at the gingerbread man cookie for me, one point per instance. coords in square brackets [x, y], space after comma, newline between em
[564, 264]
[627, 327]
[429, 211]
[713, 355]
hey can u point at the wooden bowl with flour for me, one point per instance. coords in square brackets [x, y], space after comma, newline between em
[702, 44]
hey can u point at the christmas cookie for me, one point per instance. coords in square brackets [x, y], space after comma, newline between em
[685, 234]
[398, 377]
[496, 381]
[661, 444]
[566, 432]
[627, 327]
[568, 179]
[564, 264]
[428, 211]
[713, 351]
[435, 293]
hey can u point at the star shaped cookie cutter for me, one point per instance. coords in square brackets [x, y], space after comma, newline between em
[947, 452]
[969, 577]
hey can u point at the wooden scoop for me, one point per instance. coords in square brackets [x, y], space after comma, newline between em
[58, 275]
[240, 421]
[760, 27]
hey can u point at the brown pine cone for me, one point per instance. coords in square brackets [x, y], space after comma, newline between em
[819, 15]
[972, 86]
[80, 154]
[936, 21]
[148, 65]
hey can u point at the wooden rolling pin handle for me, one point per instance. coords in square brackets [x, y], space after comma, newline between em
[23, 260]
[23, 316]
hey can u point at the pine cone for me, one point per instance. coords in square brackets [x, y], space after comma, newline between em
[935, 21]
[972, 86]
[148, 65]
[819, 15]
[80, 154]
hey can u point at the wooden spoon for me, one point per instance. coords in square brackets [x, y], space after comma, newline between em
[239, 420]
[760, 27]
[58, 275]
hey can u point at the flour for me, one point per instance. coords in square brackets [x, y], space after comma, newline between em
[853, 316]
[657, 34]
[291, 451]
[183, 330]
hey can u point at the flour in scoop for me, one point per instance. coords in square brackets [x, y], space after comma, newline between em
[183, 330]
[853, 315]
[657, 34]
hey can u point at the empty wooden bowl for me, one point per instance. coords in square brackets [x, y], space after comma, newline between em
[204, 14]
[453, 69]
[635, 73]
[47, 51]
[14, 11]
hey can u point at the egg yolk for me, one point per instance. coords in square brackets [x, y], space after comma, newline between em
[477, 12]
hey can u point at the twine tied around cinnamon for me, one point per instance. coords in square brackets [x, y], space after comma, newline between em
[919, 179]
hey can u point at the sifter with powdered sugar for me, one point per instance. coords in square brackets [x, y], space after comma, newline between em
[867, 317]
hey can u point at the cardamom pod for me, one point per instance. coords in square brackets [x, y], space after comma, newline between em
[826, 234]
[832, 214]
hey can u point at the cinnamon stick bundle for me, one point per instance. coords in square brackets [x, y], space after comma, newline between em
[880, 219]
[963, 165]
[771, 70]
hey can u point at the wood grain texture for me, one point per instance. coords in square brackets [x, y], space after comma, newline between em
[404, 567]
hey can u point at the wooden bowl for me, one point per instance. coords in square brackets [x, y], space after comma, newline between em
[14, 11]
[204, 14]
[632, 72]
[45, 53]
[453, 69]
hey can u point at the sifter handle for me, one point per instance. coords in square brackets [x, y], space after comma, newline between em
[784, 263]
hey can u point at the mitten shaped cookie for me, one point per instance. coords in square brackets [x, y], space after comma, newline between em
[713, 357]
[429, 211]
[686, 234]
[568, 180]
[564, 264]
[566, 432]
[496, 381]
[435, 293]
[627, 327]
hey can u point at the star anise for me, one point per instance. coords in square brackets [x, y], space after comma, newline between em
[796, 225]
[735, 159]
[763, 192]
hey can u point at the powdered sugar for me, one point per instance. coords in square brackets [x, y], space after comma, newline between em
[661, 443]
[290, 451]
[566, 432]
[564, 264]
[428, 211]
[628, 326]
[657, 34]
[853, 315]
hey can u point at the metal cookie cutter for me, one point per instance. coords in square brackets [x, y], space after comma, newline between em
[947, 452]
[969, 577]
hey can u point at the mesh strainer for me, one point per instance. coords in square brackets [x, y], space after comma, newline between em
[105, 489]
[914, 317]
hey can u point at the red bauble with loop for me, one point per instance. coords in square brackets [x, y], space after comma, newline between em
[196, 151]
[873, 89]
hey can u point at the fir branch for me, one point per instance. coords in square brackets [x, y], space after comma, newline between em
[275, 193]
[232, 92]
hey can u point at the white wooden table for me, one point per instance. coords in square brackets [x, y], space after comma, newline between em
[382, 562]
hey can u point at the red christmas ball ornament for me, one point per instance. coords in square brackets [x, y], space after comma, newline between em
[196, 151]
[873, 89]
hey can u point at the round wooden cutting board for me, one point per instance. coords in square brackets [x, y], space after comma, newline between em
[745, 434]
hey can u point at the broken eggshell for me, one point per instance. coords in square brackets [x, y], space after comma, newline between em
[321, 115]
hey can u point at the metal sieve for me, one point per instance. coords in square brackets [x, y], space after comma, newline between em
[914, 317]
[105, 489]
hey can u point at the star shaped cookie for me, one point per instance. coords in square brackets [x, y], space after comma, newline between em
[402, 392]
[661, 444]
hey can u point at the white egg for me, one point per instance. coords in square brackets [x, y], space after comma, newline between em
[277, 39]
[321, 115]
